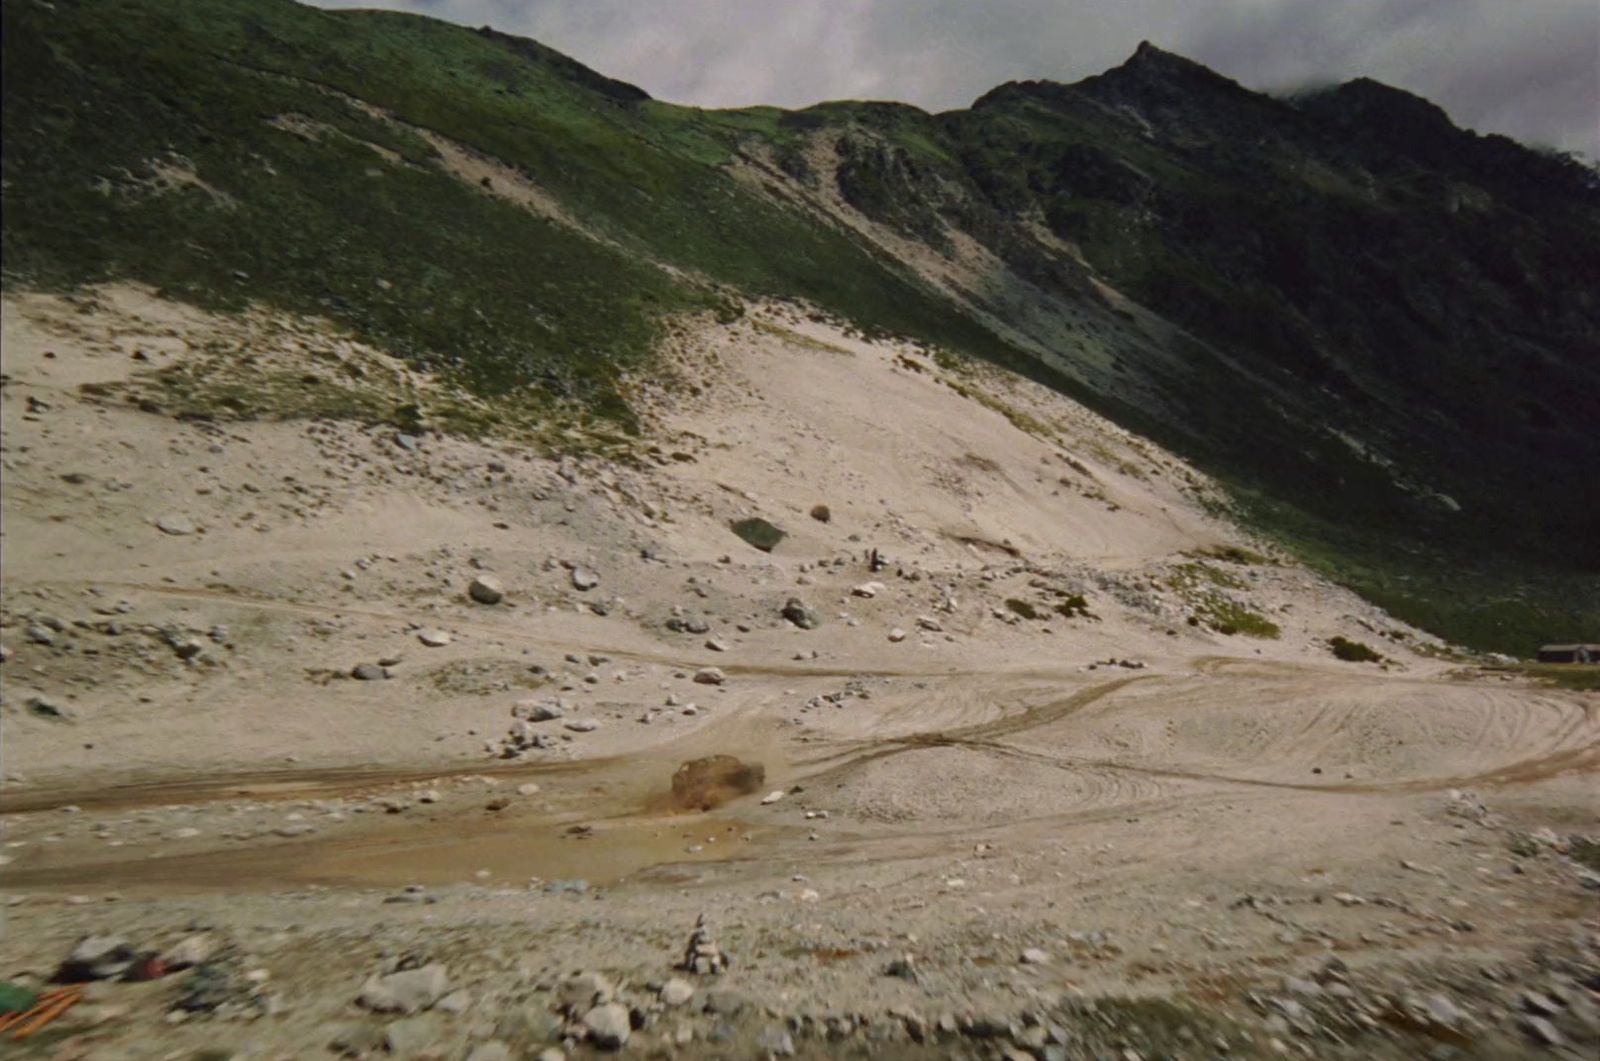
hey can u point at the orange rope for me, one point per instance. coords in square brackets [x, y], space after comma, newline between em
[57, 1003]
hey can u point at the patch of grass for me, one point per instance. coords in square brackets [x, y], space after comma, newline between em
[1073, 606]
[1353, 651]
[1233, 554]
[1586, 852]
[1026, 610]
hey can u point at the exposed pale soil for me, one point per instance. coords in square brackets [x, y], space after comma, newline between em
[1166, 812]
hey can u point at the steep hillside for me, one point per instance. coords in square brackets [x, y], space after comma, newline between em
[1379, 331]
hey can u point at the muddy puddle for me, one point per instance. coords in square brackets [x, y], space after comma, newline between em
[612, 831]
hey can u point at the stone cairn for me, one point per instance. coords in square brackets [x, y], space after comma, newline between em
[702, 956]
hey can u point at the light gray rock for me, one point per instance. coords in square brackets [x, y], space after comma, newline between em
[410, 1036]
[408, 991]
[710, 676]
[177, 525]
[583, 990]
[1542, 1031]
[583, 579]
[486, 589]
[368, 672]
[607, 1026]
[583, 725]
[676, 991]
[493, 1050]
[775, 1041]
[1035, 956]
[40, 634]
[433, 638]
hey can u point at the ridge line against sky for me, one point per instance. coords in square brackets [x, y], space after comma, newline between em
[1530, 70]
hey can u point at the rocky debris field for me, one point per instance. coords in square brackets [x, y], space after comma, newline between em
[845, 714]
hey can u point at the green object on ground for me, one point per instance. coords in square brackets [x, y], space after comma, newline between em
[759, 533]
[14, 998]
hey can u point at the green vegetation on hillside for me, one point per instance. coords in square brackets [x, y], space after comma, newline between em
[1379, 332]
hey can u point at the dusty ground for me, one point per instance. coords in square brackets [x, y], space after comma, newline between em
[1205, 843]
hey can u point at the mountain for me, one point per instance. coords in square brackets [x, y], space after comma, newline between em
[1381, 331]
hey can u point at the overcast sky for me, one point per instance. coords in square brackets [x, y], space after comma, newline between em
[1527, 68]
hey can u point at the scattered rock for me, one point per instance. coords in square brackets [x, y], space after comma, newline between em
[434, 638]
[772, 797]
[710, 676]
[407, 991]
[608, 1026]
[775, 1041]
[797, 612]
[821, 513]
[177, 526]
[40, 707]
[493, 1050]
[486, 589]
[1035, 956]
[579, 992]
[368, 672]
[868, 589]
[583, 725]
[97, 958]
[897, 635]
[583, 579]
[676, 992]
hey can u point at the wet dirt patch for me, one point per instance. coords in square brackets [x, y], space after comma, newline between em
[707, 783]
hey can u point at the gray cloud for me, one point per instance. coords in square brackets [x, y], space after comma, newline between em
[1530, 69]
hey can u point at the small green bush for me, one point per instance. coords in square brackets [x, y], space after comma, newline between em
[1353, 651]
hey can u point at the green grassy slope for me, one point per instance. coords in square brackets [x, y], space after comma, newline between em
[1345, 262]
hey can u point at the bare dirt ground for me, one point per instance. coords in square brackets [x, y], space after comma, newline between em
[1018, 796]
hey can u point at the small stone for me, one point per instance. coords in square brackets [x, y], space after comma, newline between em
[368, 672]
[40, 635]
[175, 525]
[189, 951]
[800, 614]
[772, 797]
[434, 638]
[608, 1026]
[676, 992]
[583, 579]
[710, 676]
[776, 1041]
[486, 589]
[409, 1036]
[897, 635]
[868, 590]
[529, 789]
[583, 725]
[1035, 956]
[715, 645]
[821, 513]
[494, 1050]
[584, 990]
[1542, 1030]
